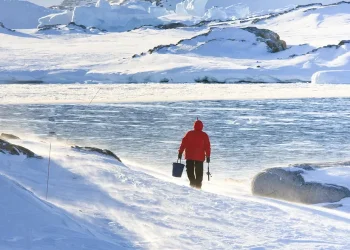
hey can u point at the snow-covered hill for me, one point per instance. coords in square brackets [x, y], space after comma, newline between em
[28, 222]
[96, 202]
[314, 25]
[17, 14]
[316, 40]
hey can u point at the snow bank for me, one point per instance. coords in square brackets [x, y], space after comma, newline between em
[28, 222]
[331, 76]
[21, 14]
[226, 42]
[113, 206]
[289, 184]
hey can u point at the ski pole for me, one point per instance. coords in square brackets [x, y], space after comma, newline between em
[208, 173]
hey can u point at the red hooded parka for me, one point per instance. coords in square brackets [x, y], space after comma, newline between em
[196, 143]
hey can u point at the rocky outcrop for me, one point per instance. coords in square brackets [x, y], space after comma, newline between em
[73, 27]
[12, 149]
[289, 184]
[171, 26]
[98, 150]
[8, 137]
[272, 39]
[213, 35]
[3, 26]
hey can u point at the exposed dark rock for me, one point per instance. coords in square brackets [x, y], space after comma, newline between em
[201, 23]
[171, 26]
[70, 26]
[25, 82]
[12, 149]
[207, 79]
[164, 80]
[333, 206]
[314, 166]
[8, 136]
[98, 150]
[329, 46]
[3, 26]
[343, 42]
[288, 185]
[285, 12]
[272, 39]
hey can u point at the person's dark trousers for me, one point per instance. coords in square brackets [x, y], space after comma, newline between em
[195, 173]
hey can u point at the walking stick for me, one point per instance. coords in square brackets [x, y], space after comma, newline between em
[208, 173]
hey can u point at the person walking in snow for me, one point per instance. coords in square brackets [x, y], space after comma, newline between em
[196, 145]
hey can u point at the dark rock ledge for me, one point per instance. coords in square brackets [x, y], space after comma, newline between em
[12, 149]
[98, 150]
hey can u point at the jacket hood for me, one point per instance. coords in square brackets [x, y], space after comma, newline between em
[198, 125]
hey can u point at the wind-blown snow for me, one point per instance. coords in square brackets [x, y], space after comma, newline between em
[126, 93]
[130, 209]
[28, 222]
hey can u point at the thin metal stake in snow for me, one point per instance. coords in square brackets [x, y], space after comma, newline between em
[48, 172]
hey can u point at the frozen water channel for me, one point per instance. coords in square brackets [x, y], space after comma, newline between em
[247, 135]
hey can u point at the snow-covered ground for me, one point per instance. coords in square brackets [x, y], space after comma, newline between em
[74, 54]
[95, 202]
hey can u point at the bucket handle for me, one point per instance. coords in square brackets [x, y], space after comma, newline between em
[178, 161]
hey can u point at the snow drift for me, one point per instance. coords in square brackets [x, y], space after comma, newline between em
[315, 25]
[96, 202]
[290, 184]
[331, 76]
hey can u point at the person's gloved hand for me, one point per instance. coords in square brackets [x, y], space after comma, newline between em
[208, 159]
[179, 156]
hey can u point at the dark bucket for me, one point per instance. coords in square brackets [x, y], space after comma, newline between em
[178, 168]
